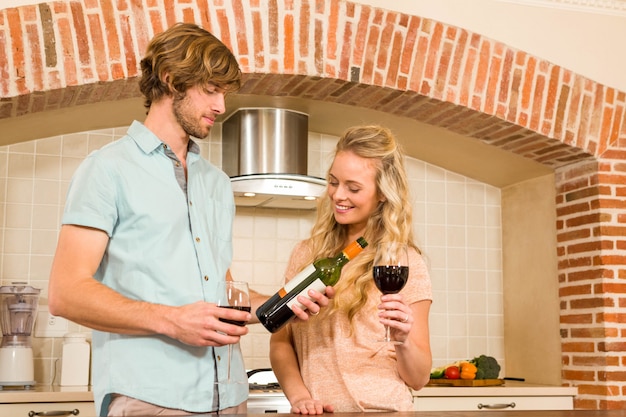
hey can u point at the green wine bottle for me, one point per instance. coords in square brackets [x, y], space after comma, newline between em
[276, 311]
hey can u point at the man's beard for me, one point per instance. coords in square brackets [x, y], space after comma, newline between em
[182, 113]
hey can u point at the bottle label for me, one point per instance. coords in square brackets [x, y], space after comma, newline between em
[296, 280]
[317, 285]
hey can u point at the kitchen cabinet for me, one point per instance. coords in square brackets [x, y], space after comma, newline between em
[511, 396]
[82, 409]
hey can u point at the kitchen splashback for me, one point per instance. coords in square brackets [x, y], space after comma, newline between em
[457, 224]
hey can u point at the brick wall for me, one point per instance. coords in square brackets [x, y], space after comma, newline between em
[67, 53]
[591, 250]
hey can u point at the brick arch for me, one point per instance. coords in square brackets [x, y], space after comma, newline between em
[63, 54]
[67, 54]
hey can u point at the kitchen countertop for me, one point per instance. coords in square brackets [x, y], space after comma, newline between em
[510, 388]
[492, 413]
[46, 394]
[55, 393]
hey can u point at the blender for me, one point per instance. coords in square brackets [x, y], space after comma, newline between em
[18, 309]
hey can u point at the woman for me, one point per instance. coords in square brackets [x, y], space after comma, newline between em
[333, 362]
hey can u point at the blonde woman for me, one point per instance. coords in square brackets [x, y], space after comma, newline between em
[332, 362]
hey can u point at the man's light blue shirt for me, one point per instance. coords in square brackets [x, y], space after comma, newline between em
[167, 248]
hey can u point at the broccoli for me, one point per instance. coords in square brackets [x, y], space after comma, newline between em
[488, 367]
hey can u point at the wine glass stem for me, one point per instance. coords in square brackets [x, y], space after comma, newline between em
[388, 334]
[230, 352]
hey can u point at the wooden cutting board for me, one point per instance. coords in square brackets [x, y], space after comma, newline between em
[465, 382]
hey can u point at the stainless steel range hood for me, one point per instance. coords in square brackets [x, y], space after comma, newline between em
[264, 151]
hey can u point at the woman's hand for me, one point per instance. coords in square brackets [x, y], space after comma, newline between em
[313, 305]
[311, 406]
[397, 315]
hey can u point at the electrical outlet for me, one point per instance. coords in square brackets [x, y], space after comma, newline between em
[47, 325]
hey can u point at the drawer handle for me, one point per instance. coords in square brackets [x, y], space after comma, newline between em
[495, 406]
[74, 412]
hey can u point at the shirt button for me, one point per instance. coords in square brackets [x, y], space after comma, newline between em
[177, 163]
[219, 358]
[206, 278]
[164, 146]
[190, 203]
[198, 239]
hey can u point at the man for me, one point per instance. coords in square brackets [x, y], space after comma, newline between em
[146, 236]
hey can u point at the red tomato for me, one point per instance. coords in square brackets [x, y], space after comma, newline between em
[452, 372]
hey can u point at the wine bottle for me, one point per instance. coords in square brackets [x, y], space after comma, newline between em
[276, 311]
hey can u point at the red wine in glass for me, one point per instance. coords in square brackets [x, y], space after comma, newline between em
[236, 322]
[233, 295]
[390, 271]
[390, 279]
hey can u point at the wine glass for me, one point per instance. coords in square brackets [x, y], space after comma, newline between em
[235, 295]
[391, 271]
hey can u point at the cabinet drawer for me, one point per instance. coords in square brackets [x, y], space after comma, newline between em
[490, 403]
[85, 409]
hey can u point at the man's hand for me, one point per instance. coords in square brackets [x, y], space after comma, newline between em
[199, 324]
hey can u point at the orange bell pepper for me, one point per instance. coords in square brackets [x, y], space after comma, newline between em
[468, 370]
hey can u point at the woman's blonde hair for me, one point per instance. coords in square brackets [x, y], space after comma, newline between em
[391, 221]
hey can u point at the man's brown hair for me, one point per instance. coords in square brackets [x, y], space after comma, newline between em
[184, 56]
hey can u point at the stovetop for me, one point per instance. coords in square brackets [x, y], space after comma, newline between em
[269, 387]
[263, 380]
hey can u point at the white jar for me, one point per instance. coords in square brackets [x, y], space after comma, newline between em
[75, 360]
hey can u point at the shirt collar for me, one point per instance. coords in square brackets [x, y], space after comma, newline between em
[148, 141]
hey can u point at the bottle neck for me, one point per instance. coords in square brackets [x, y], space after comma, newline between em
[342, 259]
[353, 249]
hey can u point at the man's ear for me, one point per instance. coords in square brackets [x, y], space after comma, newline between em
[165, 79]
